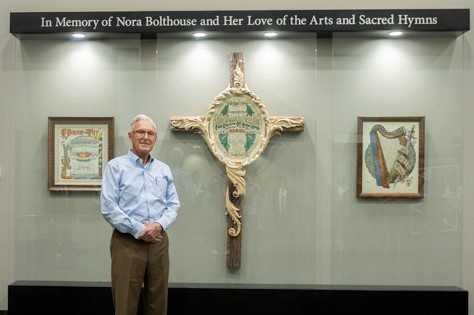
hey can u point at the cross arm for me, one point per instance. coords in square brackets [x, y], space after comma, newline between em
[196, 124]
[279, 124]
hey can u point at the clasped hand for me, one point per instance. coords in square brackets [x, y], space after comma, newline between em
[152, 232]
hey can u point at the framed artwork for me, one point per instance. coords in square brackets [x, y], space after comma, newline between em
[390, 157]
[78, 149]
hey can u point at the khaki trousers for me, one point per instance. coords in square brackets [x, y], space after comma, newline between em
[136, 263]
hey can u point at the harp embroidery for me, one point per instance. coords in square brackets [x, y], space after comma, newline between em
[393, 162]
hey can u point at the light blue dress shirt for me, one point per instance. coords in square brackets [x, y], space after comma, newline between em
[133, 193]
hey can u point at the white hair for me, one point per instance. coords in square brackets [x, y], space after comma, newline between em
[141, 117]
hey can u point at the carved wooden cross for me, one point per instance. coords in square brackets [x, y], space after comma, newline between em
[236, 128]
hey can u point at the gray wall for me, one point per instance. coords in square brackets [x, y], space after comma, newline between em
[302, 223]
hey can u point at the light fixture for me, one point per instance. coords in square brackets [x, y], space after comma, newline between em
[78, 35]
[270, 34]
[395, 33]
[199, 34]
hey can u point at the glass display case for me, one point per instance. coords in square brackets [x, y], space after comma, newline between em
[302, 221]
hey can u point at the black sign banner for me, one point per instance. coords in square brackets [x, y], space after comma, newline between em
[167, 22]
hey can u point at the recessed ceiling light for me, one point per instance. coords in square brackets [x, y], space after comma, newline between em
[199, 34]
[395, 33]
[78, 35]
[270, 34]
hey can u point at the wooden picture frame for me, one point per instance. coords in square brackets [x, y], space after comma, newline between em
[78, 149]
[390, 157]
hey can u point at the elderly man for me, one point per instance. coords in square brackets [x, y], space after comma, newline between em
[139, 200]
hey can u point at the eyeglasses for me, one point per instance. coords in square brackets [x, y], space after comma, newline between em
[142, 133]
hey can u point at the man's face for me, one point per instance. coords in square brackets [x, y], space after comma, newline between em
[143, 137]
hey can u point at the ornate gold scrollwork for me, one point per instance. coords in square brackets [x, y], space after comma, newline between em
[235, 173]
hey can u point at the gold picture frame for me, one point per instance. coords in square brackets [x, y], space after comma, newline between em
[390, 157]
[78, 149]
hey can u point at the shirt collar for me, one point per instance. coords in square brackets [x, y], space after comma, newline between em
[135, 158]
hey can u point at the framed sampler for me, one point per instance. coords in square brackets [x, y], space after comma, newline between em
[78, 148]
[390, 157]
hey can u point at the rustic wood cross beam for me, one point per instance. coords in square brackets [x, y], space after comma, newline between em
[236, 128]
